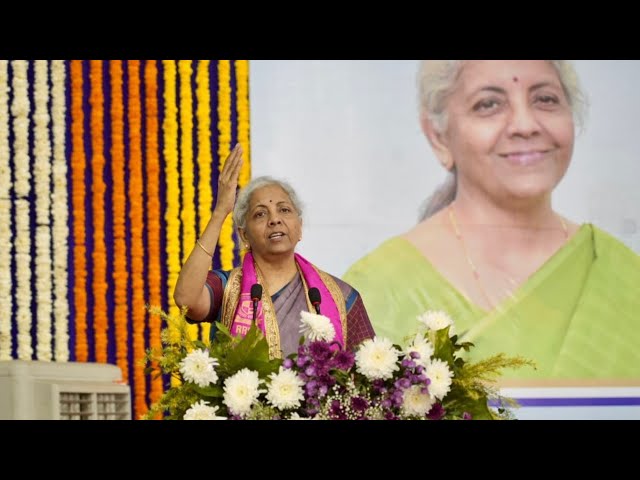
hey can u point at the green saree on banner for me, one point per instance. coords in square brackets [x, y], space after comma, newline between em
[577, 317]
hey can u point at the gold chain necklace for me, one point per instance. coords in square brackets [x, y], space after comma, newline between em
[474, 270]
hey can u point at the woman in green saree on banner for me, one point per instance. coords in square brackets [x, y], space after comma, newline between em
[274, 284]
[490, 251]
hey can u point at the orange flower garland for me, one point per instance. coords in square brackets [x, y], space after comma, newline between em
[77, 200]
[153, 214]
[99, 254]
[120, 274]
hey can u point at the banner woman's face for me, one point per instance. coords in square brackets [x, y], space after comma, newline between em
[510, 129]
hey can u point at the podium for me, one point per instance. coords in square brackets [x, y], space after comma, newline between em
[559, 399]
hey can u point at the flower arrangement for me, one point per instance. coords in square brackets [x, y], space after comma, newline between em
[234, 378]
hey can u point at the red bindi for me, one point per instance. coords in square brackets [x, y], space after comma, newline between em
[515, 79]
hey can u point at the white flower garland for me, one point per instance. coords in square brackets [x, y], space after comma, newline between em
[59, 213]
[20, 111]
[6, 302]
[42, 174]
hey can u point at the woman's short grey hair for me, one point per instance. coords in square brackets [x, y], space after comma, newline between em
[436, 82]
[244, 197]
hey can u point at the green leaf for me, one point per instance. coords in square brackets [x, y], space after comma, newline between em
[479, 409]
[210, 391]
[443, 348]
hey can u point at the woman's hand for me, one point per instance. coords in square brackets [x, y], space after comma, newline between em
[228, 181]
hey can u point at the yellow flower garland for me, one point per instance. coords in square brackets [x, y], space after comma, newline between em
[242, 106]
[172, 175]
[203, 116]
[188, 211]
[224, 147]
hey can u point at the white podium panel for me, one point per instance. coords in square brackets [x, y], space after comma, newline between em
[575, 399]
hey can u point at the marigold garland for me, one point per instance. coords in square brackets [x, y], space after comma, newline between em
[172, 213]
[42, 176]
[99, 253]
[224, 148]
[120, 275]
[242, 106]
[203, 115]
[77, 200]
[59, 211]
[153, 214]
[188, 210]
[136, 218]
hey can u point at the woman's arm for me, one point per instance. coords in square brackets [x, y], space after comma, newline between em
[190, 288]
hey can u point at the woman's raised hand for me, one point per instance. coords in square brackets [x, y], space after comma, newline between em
[228, 181]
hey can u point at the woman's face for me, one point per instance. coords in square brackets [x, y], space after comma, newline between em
[273, 225]
[510, 129]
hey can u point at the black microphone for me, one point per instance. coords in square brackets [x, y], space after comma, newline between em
[314, 296]
[256, 295]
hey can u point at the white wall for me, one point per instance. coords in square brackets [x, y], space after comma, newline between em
[346, 135]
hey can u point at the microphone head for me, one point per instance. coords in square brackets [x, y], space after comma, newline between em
[256, 291]
[314, 295]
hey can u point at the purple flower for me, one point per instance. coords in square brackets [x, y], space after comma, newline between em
[327, 380]
[310, 370]
[344, 360]
[406, 363]
[311, 388]
[414, 355]
[302, 360]
[320, 351]
[359, 404]
[467, 416]
[388, 415]
[436, 412]
[402, 383]
[336, 410]
[288, 363]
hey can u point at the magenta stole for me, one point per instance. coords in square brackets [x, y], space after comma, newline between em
[244, 310]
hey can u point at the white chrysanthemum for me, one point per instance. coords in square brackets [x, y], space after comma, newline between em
[422, 346]
[377, 358]
[437, 320]
[198, 367]
[201, 411]
[414, 402]
[440, 375]
[296, 416]
[316, 327]
[285, 390]
[241, 391]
